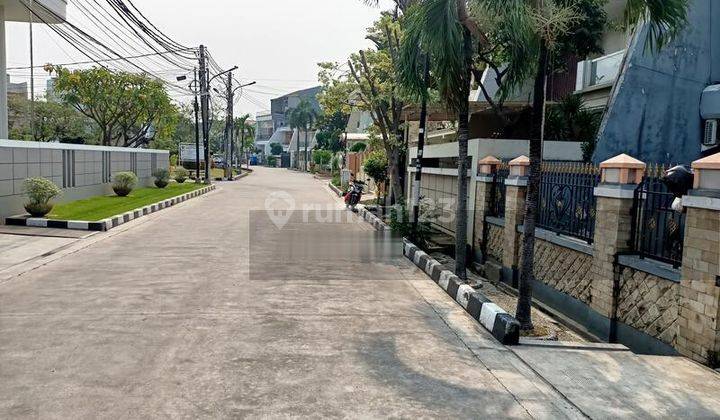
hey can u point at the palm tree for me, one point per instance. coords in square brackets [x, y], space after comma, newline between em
[295, 122]
[445, 35]
[664, 20]
[307, 117]
[244, 131]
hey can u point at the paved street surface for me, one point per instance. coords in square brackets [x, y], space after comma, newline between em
[167, 317]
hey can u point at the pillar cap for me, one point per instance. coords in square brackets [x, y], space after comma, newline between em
[488, 165]
[707, 172]
[520, 161]
[490, 160]
[710, 162]
[623, 161]
[622, 169]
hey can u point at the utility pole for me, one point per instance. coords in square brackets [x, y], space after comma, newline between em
[197, 127]
[32, 76]
[205, 109]
[421, 146]
[228, 129]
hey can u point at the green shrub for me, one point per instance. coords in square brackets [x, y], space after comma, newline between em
[162, 177]
[40, 191]
[276, 148]
[358, 147]
[124, 183]
[322, 157]
[376, 166]
[401, 222]
[181, 174]
[271, 160]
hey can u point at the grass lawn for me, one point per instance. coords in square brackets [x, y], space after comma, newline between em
[103, 206]
[219, 172]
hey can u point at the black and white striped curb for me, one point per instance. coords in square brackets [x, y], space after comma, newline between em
[109, 223]
[503, 326]
[369, 217]
[334, 188]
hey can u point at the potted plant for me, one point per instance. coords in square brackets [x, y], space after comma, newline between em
[181, 174]
[124, 183]
[162, 177]
[40, 191]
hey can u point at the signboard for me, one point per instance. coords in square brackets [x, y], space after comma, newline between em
[187, 152]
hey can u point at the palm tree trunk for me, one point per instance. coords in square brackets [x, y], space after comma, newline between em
[461, 210]
[297, 146]
[305, 168]
[525, 290]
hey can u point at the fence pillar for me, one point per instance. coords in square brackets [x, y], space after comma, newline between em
[615, 194]
[699, 308]
[487, 168]
[515, 189]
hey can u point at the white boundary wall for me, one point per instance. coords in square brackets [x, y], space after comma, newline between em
[80, 170]
[504, 149]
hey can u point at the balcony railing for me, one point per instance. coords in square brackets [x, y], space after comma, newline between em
[599, 71]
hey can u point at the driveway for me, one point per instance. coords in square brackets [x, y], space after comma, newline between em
[209, 309]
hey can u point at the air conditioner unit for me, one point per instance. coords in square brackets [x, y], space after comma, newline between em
[711, 137]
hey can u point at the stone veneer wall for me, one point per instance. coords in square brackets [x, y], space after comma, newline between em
[650, 304]
[563, 269]
[495, 242]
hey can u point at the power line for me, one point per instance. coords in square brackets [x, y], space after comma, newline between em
[102, 60]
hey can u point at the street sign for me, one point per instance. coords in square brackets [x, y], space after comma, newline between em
[187, 152]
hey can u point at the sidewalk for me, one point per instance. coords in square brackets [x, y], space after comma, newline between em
[605, 383]
[19, 244]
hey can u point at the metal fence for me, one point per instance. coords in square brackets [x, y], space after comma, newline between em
[657, 230]
[567, 199]
[497, 194]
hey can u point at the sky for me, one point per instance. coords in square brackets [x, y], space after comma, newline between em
[276, 43]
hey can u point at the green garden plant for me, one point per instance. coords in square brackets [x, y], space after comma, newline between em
[358, 147]
[40, 191]
[181, 174]
[162, 177]
[124, 183]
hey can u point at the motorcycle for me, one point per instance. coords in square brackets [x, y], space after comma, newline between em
[352, 198]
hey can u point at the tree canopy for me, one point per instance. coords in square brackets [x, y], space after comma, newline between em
[128, 108]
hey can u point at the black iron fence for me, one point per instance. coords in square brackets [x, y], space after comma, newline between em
[497, 194]
[657, 230]
[567, 199]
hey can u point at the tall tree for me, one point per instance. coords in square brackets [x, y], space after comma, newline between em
[372, 86]
[125, 106]
[245, 134]
[441, 32]
[306, 117]
[554, 23]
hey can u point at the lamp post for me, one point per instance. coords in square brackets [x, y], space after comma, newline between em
[196, 107]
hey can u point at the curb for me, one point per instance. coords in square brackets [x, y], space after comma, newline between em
[109, 223]
[334, 188]
[503, 326]
[369, 217]
[242, 175]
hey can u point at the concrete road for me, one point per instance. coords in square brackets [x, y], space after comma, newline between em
[207, 310]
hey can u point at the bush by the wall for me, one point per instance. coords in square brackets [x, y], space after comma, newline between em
[358, 147]
[40, 191]
[124, 183]
[162, 177]
[181, 174]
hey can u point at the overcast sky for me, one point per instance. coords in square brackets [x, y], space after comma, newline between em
[275, 42]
